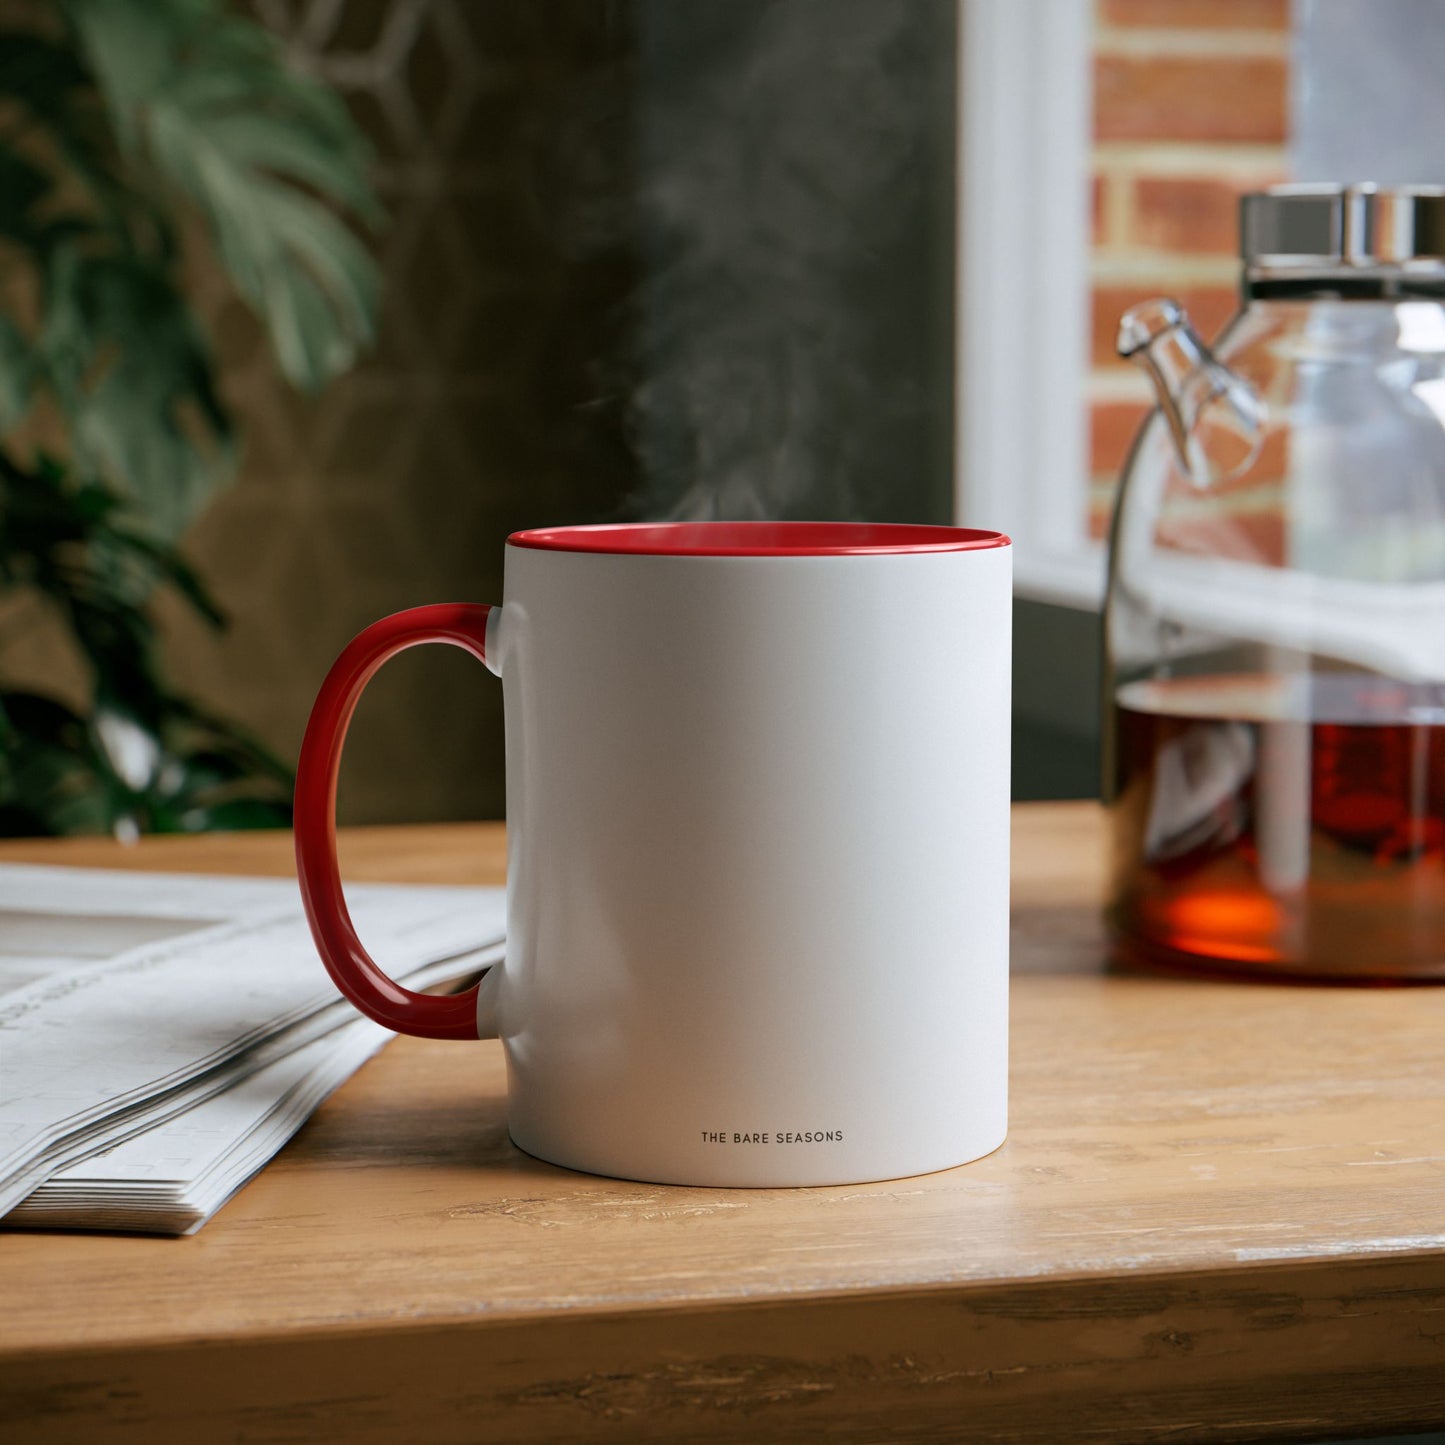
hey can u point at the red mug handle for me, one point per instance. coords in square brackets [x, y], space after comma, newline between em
[353, 970]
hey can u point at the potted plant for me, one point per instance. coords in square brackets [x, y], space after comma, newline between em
[130, 130]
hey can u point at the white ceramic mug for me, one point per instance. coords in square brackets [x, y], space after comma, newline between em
[757, 843]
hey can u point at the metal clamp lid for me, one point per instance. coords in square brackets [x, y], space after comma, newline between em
[1327, 227]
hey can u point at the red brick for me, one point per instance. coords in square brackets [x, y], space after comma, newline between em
[1197, 98]
[1188, 213]
[1245, 536]
[1112, 428]
[1271, 466]
[1209, 307]
[1265, 473]
[1198, 14]
[1098, 220]
[1101, 513]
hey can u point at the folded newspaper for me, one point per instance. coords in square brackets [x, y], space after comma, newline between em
[162, 1035]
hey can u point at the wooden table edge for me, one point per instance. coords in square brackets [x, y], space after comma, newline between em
[1263, 1274]
[1012, 1358]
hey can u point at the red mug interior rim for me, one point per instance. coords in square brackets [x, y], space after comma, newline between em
[757, 539]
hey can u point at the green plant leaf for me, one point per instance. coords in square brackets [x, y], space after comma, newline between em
[236, 814]
[170, 566]
[274, 144]
[22, 185]
[236, 743]
[265, 153]
[134, 378]
[49, 781]
[37, 72]
[61, 773]
[17, 369]
[55, 96]
[74, 547]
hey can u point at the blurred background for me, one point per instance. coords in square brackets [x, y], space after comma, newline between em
[627, 259]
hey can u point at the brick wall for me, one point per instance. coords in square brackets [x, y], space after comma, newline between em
[1190, 110]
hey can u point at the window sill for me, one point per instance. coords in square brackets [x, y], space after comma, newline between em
[1073, 578]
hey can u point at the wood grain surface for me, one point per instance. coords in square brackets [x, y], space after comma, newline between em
[1220, 1214]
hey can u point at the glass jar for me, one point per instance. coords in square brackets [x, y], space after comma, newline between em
[1275, 622]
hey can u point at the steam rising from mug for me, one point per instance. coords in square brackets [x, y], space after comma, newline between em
[789, 333]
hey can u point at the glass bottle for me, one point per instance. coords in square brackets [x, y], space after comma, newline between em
[1275, 622]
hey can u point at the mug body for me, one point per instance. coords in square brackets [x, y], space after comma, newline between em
[757, 801]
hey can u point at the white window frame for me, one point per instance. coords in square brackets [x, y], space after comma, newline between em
[1021, 444]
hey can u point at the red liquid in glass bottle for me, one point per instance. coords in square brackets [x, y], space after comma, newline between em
[1281, 825]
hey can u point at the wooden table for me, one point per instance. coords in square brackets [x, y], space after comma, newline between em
[1220, 1214]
